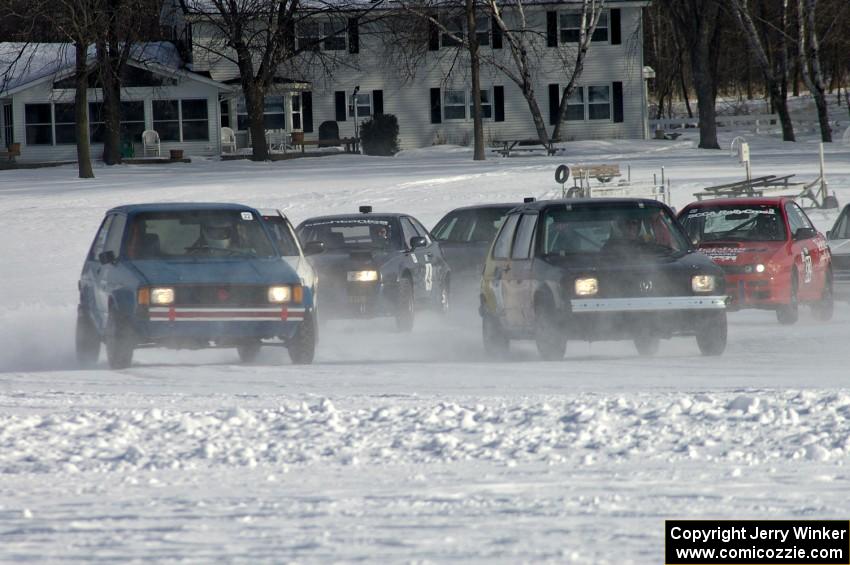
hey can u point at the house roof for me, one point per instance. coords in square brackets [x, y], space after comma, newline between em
[22, 65]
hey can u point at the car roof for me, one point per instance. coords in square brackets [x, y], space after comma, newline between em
[357, 216]
[544, 204]
[179, 207]
[489, 206]
[753, 201]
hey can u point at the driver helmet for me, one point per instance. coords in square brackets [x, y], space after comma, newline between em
[218, 233]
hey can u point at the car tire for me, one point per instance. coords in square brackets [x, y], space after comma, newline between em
[302, 346]
[549, 338]
[496, 342]
[249, 350]
[405, 308]
[647, 345]
[788, 314]
[712, 334]
[824, 308]
[120, 342]
[87, 342]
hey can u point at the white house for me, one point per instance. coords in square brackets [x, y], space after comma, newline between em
[433, 103]
[37, 98]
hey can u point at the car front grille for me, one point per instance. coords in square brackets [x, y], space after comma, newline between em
[220, 295]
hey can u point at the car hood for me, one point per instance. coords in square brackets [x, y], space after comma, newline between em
[839, 246]
[741, 253]
[241, 271]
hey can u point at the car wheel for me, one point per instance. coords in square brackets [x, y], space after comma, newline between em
[302, 346]
[120, 342]
[405, 312]
[549, 338]
[711, 334]
[87, 342]
[496, 343]
[249, 350]
[647, 345]
[787, 314]
[823, 309]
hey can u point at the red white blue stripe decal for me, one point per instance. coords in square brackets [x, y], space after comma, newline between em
[259, 314]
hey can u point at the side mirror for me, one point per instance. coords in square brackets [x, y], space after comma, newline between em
[106, 257]
[805, 233]
[314, 247]
[418, 241]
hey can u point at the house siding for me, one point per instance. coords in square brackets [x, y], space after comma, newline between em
[185, 89]
[410, 99]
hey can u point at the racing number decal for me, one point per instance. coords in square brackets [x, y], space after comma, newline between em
[807, 266]
[429, 276]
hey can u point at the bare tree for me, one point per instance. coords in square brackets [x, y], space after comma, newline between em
[696, 25]
[775, 72]
[475, 68]
[809, 53]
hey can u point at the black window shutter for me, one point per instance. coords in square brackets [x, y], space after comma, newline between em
[377, 102]
[307, 111]
[554, 103]
[497, 34]
[551, 29]
[614, 22]
[353, 35]
[499, 101]
[433, 37]
[436, 110]
[618, 101]
[341, 110]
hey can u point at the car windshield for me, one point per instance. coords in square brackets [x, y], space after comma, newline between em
[354, 233]
[197, 233]
[841, 230]
[282, 235]
[476, 225]
[626, 229]
[757, 222]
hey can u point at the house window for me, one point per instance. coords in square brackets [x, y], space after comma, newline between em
[97, 127]
[599, 102]
[39, 124]
[66, 128]
[273, 113]
[575, 105]
[454, 105]
[569, 24]
[181, 120]
[327, 36]
[194, 121]
[486, 105]
[132, 120]
[364, 105]
[225, 113]
[166, 119]
[456, 27]
[296, 112]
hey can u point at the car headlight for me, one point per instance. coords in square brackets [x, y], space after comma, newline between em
[586, 287]
[760, 268]
[162, 295]
[703, 283]
[362, 276]
[280, 294]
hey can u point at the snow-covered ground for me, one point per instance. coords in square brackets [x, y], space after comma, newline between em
[391, 447]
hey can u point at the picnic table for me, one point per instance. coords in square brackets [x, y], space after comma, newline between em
[752, 187]
[352, 144]
[509, 146]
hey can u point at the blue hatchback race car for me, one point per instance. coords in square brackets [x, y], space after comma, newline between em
[193, 276]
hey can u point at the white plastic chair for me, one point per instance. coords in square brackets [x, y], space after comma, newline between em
[228, 140]
[276, 140]
[150, 142]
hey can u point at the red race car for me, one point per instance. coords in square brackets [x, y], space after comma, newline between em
[772, 255]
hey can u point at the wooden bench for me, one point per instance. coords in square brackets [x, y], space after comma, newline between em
[352, 144]
[661, 134]
[12, 151]
[509, 146]
[602, 173]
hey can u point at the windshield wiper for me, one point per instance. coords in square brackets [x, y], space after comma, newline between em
[230, 252]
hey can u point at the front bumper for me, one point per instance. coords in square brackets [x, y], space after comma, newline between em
[219, 323]
[358, 300]
[756, 291]
[648, 304]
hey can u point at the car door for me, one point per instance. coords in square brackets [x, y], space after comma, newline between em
[503, 287]
[520, 274]
[107, 275]
[421, 288]
[806, 253]
[89, 298]
[435, 266]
